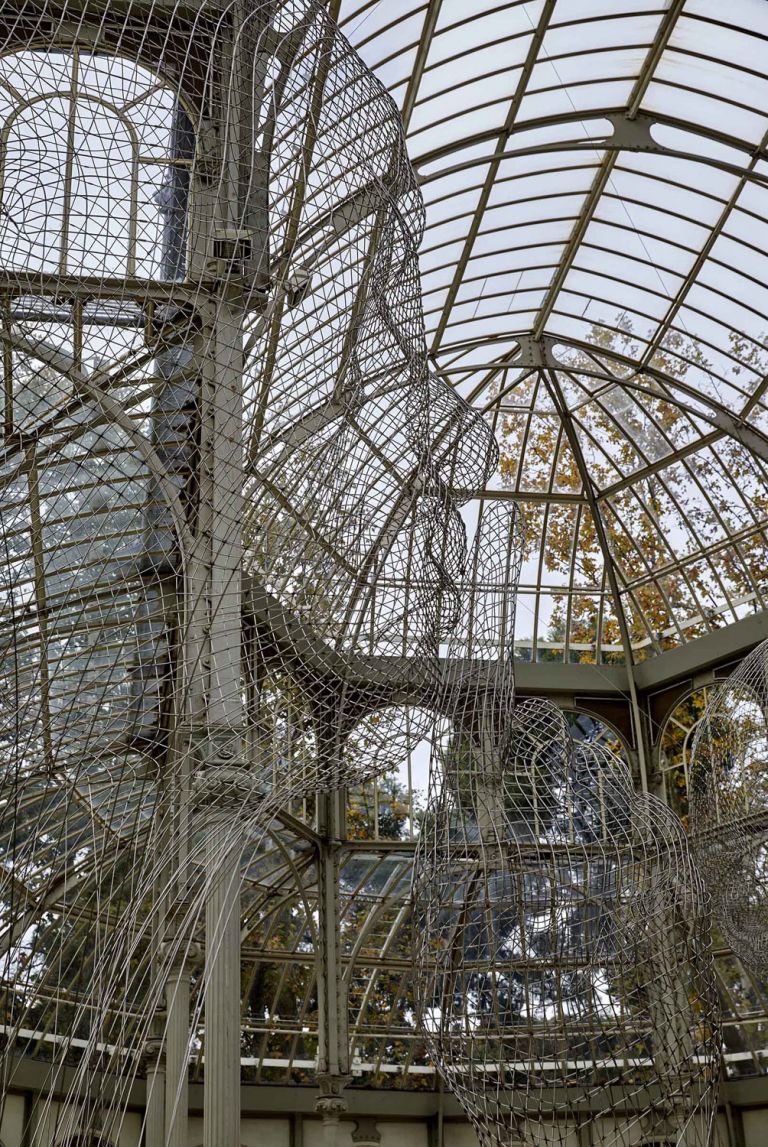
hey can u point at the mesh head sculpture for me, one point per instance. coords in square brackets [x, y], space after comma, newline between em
[562, 960]
[228, 479]
[728, 807]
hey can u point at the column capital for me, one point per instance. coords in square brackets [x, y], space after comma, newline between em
[330, 1103]
[222, 775]
[153, 1050]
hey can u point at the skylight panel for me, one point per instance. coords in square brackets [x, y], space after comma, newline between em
[698, 108]
[450, 206]
[583, 98]
[635, 186]
[514, 260]
[531, 209]
[458, 128]
[434, 280]
[563, 182]
[754, 198]
[525, 298]
[742, 49]
[742, 317]
[653, 220]
[635, 195]
[391, 39]
[434, 257]
[542, 231]
[458, 28]
[707, 335]
[507, 284]
[554, 164]
[625, 268]
[492, 62]
[627, 295]
[588, 67]
[448, 231]
[639, 245]
[457, 98]
[697, 143]
[622, 30]
[365, 20]
[747, 230]
[705, 178]
[434, 301]
[703, 368]
[516, 319]
[604, 313]
[396, 72]
[464, 153]
[758, 417]
[714, 77]
[530, 137]
[577, 318]
[580, 11]
[748, 14]
[739, 288]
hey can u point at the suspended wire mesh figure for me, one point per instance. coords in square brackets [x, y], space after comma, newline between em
[562, 964]
[228, 483]
[729, 799]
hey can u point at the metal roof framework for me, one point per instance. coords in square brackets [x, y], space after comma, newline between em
[619, 349]
[594, 179]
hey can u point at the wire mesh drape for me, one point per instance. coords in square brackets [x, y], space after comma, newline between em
[232, 543]
[563, 971]
[729, 807]
[226, 472]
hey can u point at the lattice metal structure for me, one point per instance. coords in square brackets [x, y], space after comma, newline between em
[728, 806]
[563, 964]
[237, 484]
[207, 216]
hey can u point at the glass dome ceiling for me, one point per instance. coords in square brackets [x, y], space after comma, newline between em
[596, 186]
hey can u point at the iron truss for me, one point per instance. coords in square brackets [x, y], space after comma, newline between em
[593, 269]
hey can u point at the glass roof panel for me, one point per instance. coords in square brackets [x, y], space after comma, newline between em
[600, 296]
[604, 234]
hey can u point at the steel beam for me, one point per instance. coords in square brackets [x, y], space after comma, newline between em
[37, 1077]
[629, 134]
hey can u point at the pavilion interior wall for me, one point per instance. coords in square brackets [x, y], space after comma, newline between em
[299, 1130]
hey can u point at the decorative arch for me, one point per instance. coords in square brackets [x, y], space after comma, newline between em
[86, 165]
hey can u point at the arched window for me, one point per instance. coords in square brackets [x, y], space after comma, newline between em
[587, 727]
[86, 143]
[675, 745]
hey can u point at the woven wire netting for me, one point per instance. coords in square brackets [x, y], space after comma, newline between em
[729, 807]
[563, 971]
[230, 491]
[231, 546]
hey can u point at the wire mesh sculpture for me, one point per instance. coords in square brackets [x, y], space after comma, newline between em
[231, 490]
[562, 964]
[729, 807]
[228, 478]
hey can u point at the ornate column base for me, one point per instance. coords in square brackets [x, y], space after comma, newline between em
[366, 1133]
